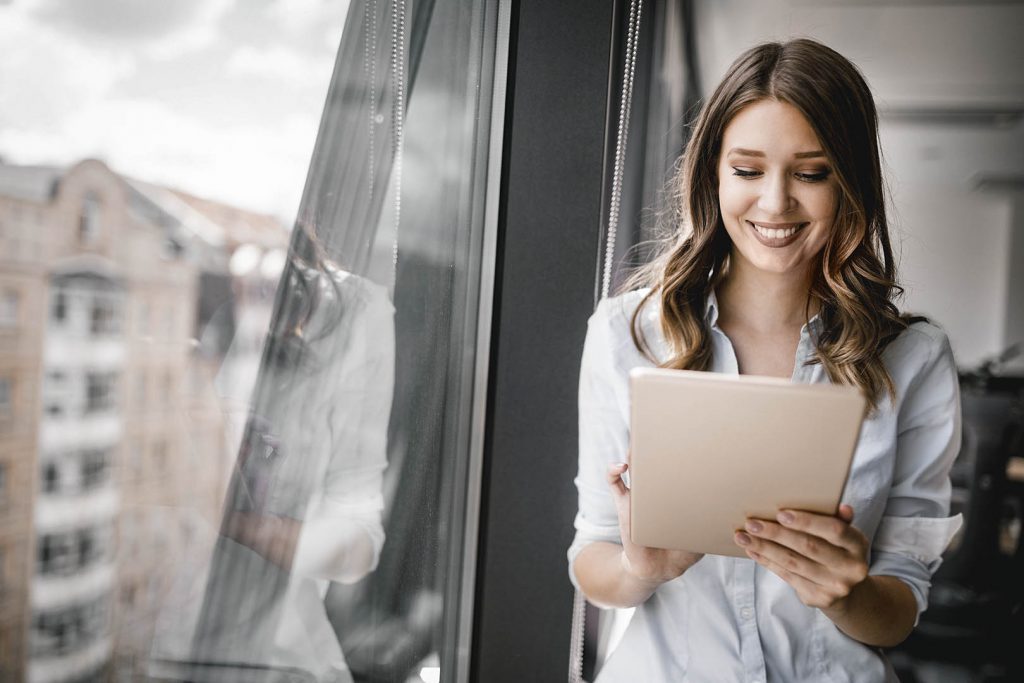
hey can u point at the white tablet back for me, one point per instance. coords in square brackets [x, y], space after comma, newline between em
[708, 450]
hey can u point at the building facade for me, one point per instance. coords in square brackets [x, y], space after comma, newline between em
[114, 438]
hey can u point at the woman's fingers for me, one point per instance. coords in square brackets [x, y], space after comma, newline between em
[805, 588]
[846, 513]
[807, 545]
[614, 476]
[822, 557]
[835, 530]
[787, 558]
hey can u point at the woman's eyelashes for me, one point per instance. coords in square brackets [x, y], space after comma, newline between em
[815, 177]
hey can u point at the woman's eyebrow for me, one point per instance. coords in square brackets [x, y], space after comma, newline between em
[746, 152]
[740, 151]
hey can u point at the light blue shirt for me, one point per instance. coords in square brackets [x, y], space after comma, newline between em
[729, 619]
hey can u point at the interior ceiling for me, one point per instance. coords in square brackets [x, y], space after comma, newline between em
[946, 74]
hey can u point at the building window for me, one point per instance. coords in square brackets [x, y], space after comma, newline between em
[89, 220]
[59, 312]
[94, 468]
[70, 629]
[3, 497]
[70, 552]
[104, 319]
[9, 304]
[51, 478]
[99, 391]
[56, 554]
[55, 393]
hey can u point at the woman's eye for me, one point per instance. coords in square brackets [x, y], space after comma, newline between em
[813, 177]
[745, 173]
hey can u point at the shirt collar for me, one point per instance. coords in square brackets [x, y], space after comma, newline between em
[813, 325]
[711, 310]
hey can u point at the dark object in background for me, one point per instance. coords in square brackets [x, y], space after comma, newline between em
[975, 617]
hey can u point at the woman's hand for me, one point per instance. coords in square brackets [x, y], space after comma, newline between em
[823, 558]
[271, 536]
[648, 565]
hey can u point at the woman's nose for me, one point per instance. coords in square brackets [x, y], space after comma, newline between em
[776, 198]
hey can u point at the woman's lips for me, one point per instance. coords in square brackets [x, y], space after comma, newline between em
[776, 235]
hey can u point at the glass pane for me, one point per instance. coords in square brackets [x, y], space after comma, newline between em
[233, 447]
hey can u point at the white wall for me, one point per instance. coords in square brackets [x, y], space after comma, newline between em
[961, 249]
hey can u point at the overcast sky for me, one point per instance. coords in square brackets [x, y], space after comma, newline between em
[220, 98]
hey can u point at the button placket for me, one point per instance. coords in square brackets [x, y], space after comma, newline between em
[750, 639]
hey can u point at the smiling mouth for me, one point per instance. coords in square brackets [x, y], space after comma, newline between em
[776, 231]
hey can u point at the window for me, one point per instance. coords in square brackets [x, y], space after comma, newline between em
[105, 316]
[68, 630]
[51, 477]
[3, 495]
[71, 552]
[10, 301]
[59, 311]
[94, 465]
[89, 219]
[56, 554]
[100, 389]
[394, 339]
[55, 393]
[389, 374]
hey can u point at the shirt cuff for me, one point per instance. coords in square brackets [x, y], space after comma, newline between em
[910, 549]
[922, 538]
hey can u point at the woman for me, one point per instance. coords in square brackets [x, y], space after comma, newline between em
[783, 267]
[306, 502]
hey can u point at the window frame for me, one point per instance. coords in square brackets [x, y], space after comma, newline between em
[549, 235]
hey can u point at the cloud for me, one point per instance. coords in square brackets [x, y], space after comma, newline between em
[255, 167]
[123, 20]
[201, 122]
[159, 29]
[279, 64]
[45, 76]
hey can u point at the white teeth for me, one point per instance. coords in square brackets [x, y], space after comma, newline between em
[774, 234]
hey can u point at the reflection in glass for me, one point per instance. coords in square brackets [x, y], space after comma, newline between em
[224, 458]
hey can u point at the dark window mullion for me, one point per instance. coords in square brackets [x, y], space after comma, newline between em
[549, 229]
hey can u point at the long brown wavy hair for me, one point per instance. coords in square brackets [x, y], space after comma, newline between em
[855, 284]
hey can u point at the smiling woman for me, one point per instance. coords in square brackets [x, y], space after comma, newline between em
[773, 191]
[780, 266]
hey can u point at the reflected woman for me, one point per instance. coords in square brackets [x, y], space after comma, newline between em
[781, 266]
[306, 501]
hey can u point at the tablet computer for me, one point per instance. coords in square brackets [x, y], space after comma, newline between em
[709, 450]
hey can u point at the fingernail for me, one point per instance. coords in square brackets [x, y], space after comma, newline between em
[786, 517]
[754, 526]
[742, 538]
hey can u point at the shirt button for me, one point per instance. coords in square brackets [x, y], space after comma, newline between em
[746, 613]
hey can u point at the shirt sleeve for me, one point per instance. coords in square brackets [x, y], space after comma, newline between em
[603, 427]
[915, 528]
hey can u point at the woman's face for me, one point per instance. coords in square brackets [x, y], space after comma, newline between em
[776, 189]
